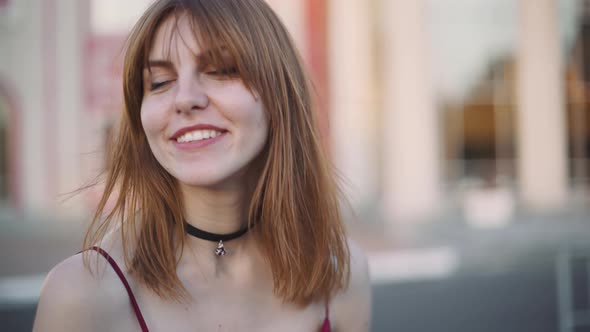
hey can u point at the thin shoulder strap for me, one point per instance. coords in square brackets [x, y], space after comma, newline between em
[326, 326]
[115, 267]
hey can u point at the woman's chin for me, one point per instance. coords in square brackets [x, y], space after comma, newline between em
[213, 178]
[206, 182]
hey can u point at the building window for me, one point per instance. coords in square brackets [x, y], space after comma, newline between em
[473, 45]
[577, 90]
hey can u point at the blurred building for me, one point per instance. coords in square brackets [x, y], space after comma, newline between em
[428, 106]
[460, 106]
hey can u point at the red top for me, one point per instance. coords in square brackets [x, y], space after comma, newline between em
[324, 328]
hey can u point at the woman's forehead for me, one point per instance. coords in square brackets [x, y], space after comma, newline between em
[176, 32]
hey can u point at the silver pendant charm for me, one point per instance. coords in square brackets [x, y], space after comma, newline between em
[220, 251]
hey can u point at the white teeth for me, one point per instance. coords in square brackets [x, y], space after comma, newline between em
[197, 135]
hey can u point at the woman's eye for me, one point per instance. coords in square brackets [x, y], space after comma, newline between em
[157, 85]
[229, 72]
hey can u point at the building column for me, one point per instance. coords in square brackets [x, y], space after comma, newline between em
[411, 146]
[541, 124]
[72, 26]
[292, 14]
[30, 53]
[353, 125]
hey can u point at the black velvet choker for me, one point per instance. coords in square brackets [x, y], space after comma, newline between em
[201, 234]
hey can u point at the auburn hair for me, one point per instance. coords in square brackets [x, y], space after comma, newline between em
[295, 204]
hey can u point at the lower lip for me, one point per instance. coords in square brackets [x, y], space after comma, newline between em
[195, 145]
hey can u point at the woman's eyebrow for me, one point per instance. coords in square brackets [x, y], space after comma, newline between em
[209, 54]
[204, 57]
[160, 64]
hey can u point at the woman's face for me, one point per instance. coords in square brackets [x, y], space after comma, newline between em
[204, 128]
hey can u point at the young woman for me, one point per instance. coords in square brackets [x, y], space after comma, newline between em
[226, 213]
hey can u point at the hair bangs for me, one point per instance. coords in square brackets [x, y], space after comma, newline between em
[218, 32]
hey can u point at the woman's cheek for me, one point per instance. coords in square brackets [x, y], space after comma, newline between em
[151, 119]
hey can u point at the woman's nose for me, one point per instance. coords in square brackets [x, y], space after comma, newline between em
[191, 96]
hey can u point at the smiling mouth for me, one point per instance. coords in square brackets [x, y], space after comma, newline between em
[198, 135]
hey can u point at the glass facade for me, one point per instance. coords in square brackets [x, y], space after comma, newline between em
[576, 47]
[473, 46]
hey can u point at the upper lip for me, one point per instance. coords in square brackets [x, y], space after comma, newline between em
[202, 126]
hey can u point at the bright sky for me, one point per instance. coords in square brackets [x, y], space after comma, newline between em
[116, 16]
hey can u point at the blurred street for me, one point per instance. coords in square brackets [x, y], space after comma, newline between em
[442, 277]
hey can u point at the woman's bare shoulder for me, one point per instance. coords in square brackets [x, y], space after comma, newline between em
[351, 308]
[81, 297]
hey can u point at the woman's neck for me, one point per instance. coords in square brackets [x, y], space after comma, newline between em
[219, 211]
